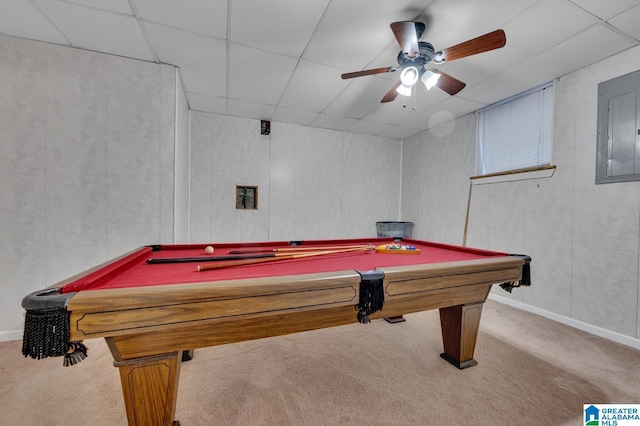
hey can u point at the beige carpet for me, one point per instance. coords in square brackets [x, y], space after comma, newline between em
[531, 371]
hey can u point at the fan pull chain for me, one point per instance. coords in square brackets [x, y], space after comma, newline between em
[404, 98]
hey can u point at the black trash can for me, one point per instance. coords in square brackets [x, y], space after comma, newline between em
[394, 229]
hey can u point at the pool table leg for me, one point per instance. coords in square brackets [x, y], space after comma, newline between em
[150, 388]
[459, 333]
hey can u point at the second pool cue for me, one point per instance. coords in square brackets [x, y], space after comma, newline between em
[229, 264]
[466, 219]
[294, 248]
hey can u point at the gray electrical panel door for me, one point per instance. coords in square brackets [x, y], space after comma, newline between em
[618, 146]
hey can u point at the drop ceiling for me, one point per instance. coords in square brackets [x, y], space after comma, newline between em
[281, 60]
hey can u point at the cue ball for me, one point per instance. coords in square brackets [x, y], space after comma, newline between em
[209, 250]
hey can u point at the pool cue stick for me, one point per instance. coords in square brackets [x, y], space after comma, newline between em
[160, 260]
[466, 219]
[289, 256]
[294, 248]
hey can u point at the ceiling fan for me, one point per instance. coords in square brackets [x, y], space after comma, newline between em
[415, 55]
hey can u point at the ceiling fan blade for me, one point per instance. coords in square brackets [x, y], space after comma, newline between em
[449, 84]
[367, 72]
[391, 94]
[490, 41]
[405, 32]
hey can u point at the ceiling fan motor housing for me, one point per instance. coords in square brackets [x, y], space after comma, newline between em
[426, 55]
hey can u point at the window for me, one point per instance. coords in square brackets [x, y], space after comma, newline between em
[515, 134]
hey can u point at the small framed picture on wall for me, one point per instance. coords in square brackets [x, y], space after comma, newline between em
[246, 197]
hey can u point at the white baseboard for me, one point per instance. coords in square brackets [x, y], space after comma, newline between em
[598, 331]
[6, 336]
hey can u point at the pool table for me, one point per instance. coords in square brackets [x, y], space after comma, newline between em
[153, 304]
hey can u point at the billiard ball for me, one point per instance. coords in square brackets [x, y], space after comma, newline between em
[209, 250]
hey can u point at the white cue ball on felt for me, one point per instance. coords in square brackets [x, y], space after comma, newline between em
[209, 250]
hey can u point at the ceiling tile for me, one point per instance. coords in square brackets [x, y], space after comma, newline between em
[628, 22]
[302, 91]
[388, 57]
[588, 47]
[509, 83]
[214, 104]
[355, 31]
[605, 9]
[472, 71]
[21, 19]
[294, 116]
[118, 6]
[279, 26]
[398, 132]
[561, 20]
[258, 76]
[202, 60]
[367, 127]
[403, 108]
[392, 112]
[361, 97]
[112, 33]
[443, 112]
[524, 39]
[204, 17]
[452, 22]
[333, 122]
[250, 110]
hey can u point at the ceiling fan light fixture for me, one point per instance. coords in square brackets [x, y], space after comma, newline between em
[409, 76]
[404, 90]
[430, 78]
[414, 57]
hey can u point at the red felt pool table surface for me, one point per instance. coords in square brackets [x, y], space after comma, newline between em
[134, 271]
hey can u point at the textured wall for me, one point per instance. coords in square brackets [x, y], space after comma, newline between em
[182, 157]
[87, 160]
[436, 167]
[313, 183]
[583, 237]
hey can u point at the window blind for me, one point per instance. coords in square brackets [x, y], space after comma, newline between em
[516, 133]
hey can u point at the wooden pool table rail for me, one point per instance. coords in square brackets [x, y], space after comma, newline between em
[178, 317]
